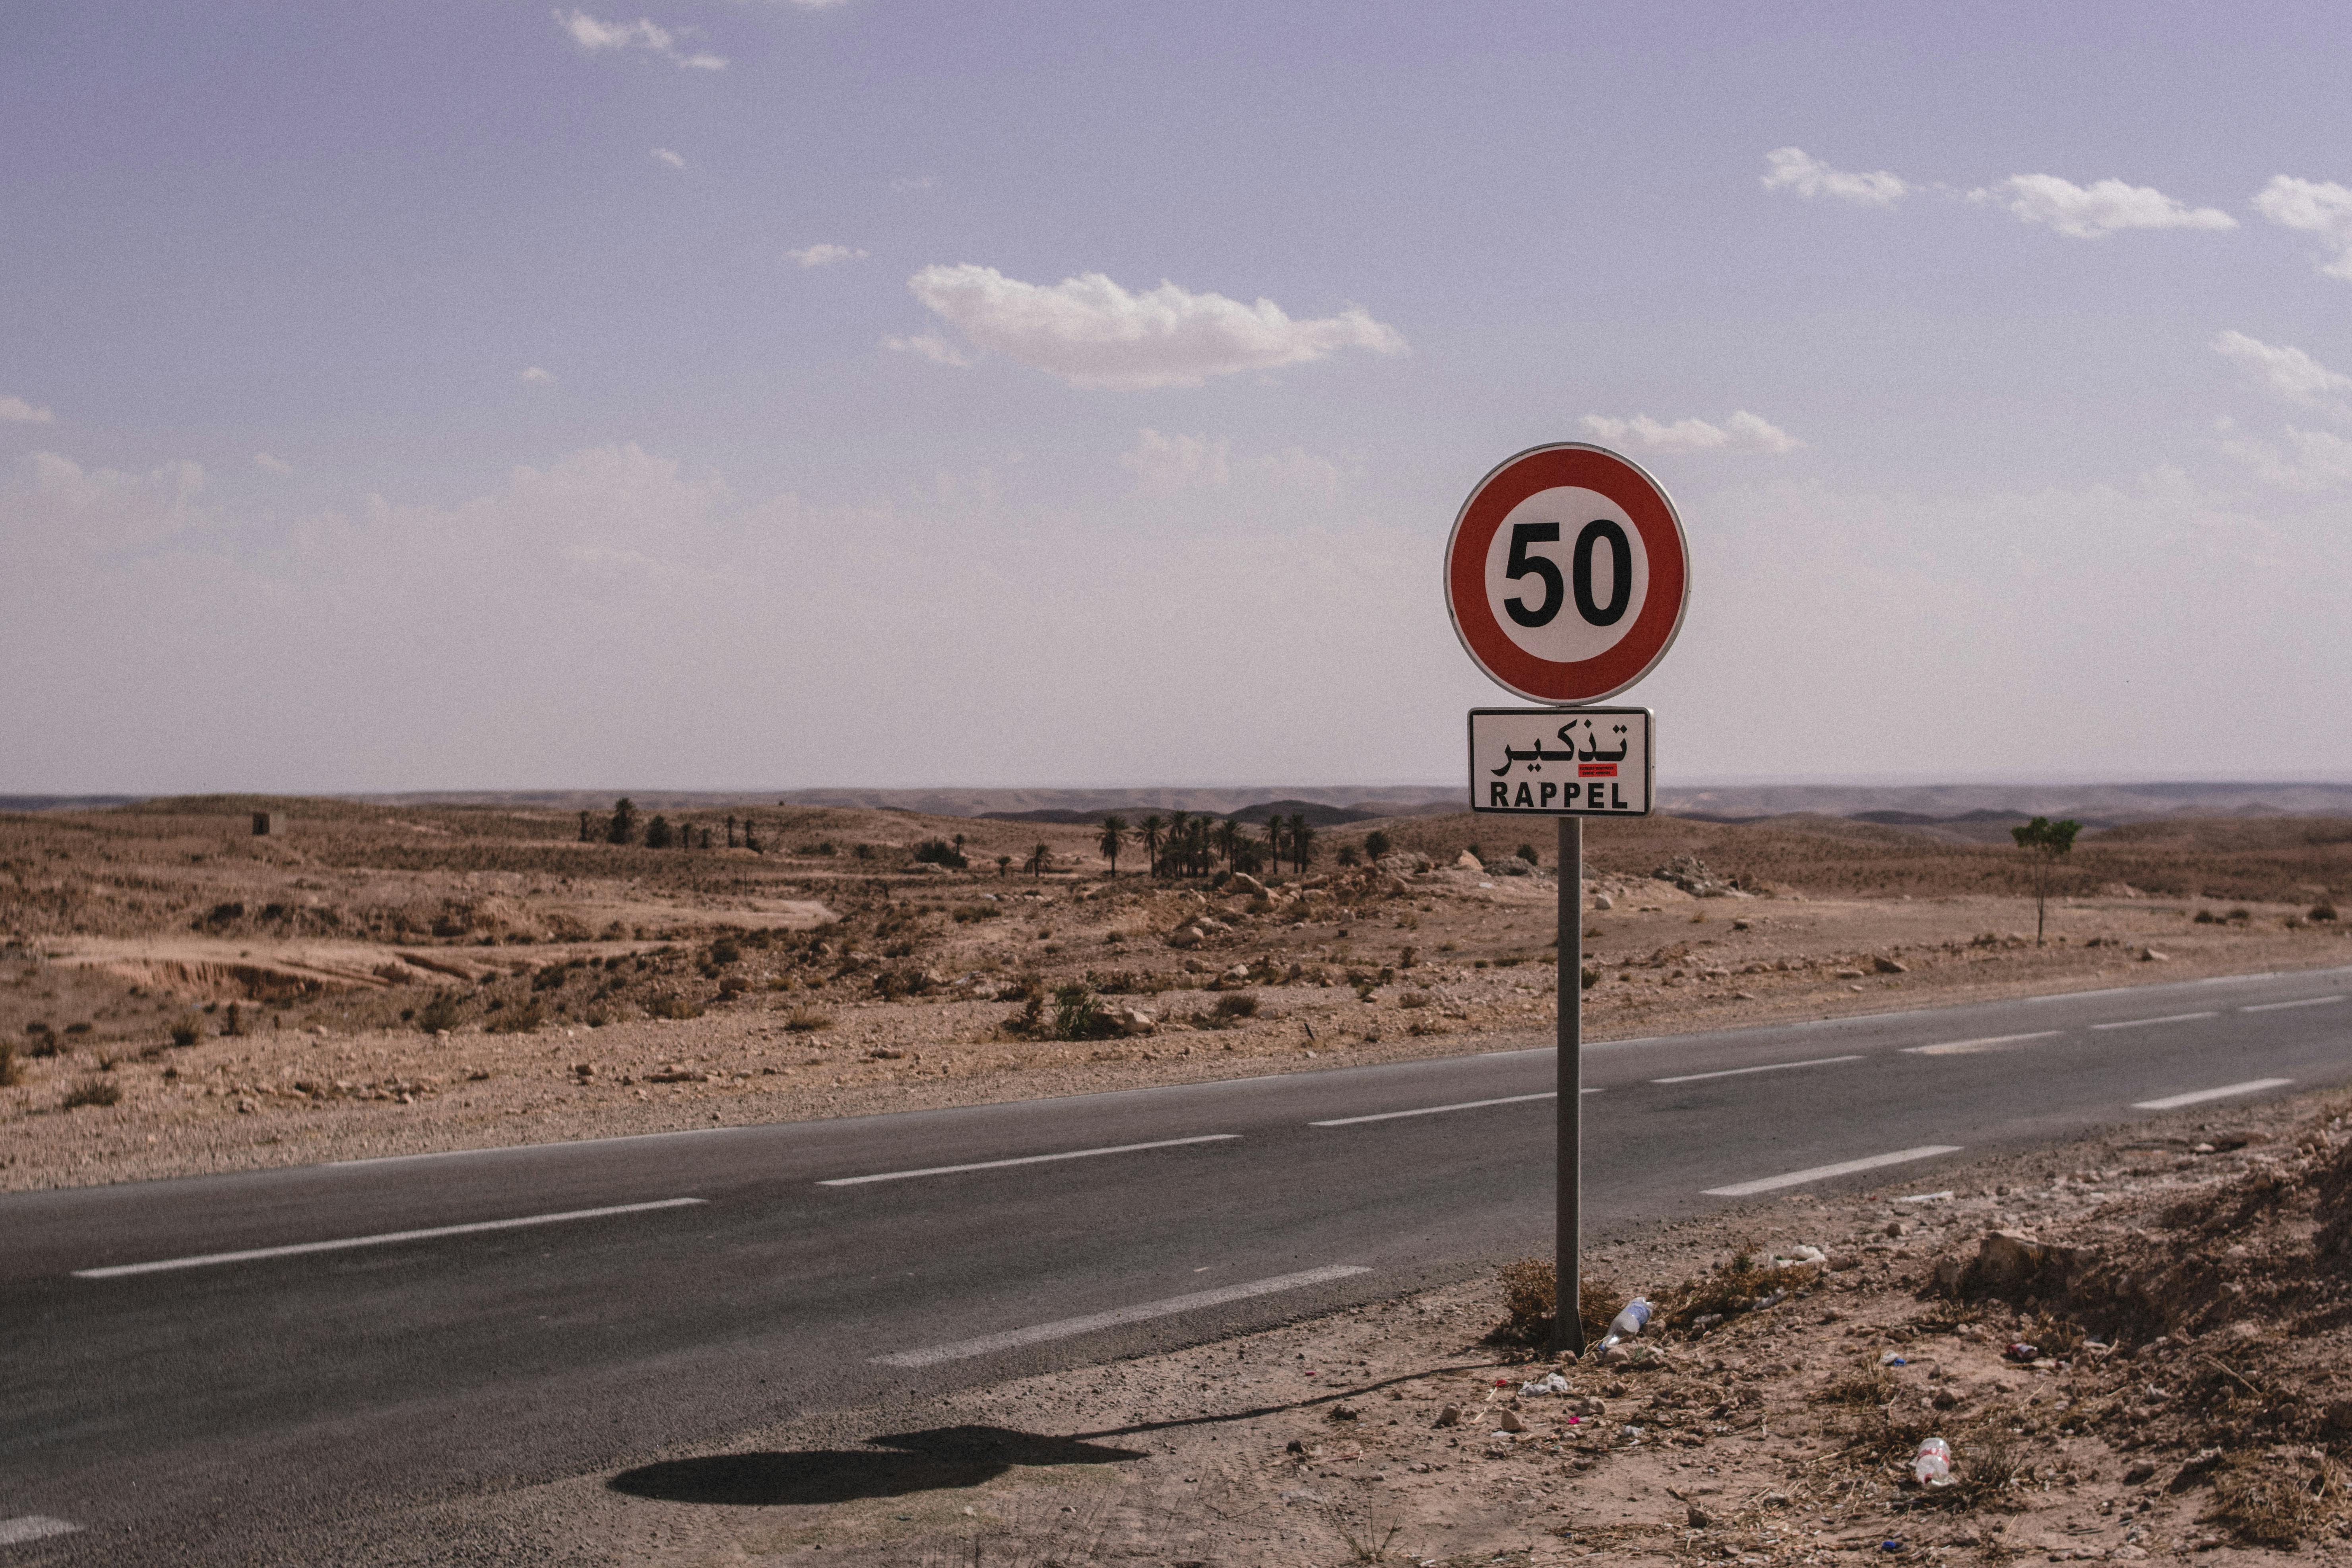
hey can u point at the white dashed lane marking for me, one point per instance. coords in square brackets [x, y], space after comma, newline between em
[255, 1254]
[2198, 1097]
[1028, 1160]
[1013, 1339]
[2282, 1007]
[2145, 1023]
[1823, 1173]
[1970, 1047]
[1768, 1066]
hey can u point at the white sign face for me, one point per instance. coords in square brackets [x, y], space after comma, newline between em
[1563, 762]
[1567, 568]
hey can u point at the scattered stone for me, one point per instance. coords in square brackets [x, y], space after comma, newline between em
[1890, 966]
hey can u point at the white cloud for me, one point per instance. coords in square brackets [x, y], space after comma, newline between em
[919, 183]
[818, 4]
[930, 346]
[1163, 465]
[593, 35]
[105, 509]
[2290, 372]
[2310, 460]
[269, 465]
[1091, 333]
[535, 376]
[2313, 206]
[663, 155]
[1296, 468]
[1743, 432]
[1794, 169]
[823, 255]
[16, 411]
[2096, 211]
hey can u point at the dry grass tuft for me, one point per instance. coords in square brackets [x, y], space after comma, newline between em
[807, 1020]
[93, 1091]
[1531, 1295]
[2277, 1500]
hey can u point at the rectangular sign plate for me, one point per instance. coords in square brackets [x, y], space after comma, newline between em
[1563, 762]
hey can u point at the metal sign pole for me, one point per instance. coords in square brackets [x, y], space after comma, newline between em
[1568, 1320]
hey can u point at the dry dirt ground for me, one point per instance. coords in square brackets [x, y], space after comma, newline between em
[2150, 1365]
[179, 996]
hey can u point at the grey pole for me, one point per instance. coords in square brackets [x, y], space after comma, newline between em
[1568, 1321]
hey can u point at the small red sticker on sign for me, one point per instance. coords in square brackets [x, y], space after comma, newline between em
[1596, 770]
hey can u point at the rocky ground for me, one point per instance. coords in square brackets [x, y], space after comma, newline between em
[2134, 1346]
[178, 996]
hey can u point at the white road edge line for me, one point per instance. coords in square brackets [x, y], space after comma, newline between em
[1012, 1339]
[1768, 1066]
[2170, 1018]
[1436, 1109]
[1822, 1173]
[2275, 1007]
[253, 1254]
[1026, 1159]
[1970, 1047]
[33, 1526]
[2174, 1101]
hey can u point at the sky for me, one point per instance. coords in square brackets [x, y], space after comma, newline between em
[777, 394]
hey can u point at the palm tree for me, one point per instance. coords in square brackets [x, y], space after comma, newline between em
[1040, 856]
[1229, 839]
[1274, 841]
[1151, 832]
[1114, 834]
[1180, 827]
[1302, 841]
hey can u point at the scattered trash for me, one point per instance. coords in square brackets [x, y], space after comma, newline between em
[1932, 1464]
[1943, 1197]
[2022, 1352]
[1629, 1324]
[1553, 1383]
[1800, 1257]
[1890, 1544]
[1893, 1358]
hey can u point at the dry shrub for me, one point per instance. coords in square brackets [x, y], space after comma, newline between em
[807, 1020]
[186, 1033]
[1994, 1461]
[1873, 1384]
[2276, 1500]
[668, 1005]
[1734, 1287]
[520, 1019]
[93, 1091]
[1531, 1294]
[11, 1074]
[441, 1013]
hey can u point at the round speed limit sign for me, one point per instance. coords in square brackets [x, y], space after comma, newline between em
[1567, 575]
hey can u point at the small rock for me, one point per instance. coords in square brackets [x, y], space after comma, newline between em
[1698, 1518]
[1450, 1416]
[1133, 1021]
[2149, 956]
[1849, 975]
[1465, 861]
[1510, 1422]
[1603, 901]
[1889, 966]
[1344, 1413]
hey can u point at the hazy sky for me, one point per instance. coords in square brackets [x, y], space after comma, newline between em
[749, 392]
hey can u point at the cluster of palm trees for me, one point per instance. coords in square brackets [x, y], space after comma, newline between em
[1183, 845]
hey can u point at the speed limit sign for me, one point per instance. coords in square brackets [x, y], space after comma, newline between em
[1567, 574]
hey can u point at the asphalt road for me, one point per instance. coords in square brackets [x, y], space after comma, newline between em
[184, 1414]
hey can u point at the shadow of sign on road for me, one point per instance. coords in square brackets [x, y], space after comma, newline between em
[937, 1460]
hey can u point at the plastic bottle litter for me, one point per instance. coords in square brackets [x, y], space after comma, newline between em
[1629, 1324]
[2022, 1352]
[1932, 1464]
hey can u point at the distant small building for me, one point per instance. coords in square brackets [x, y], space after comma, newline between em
[268, 825]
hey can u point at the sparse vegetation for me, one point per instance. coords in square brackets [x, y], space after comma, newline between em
[96, 1090]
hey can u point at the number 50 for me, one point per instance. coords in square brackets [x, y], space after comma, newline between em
[1544, 570]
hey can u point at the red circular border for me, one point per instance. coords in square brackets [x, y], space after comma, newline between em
[1653, 632]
